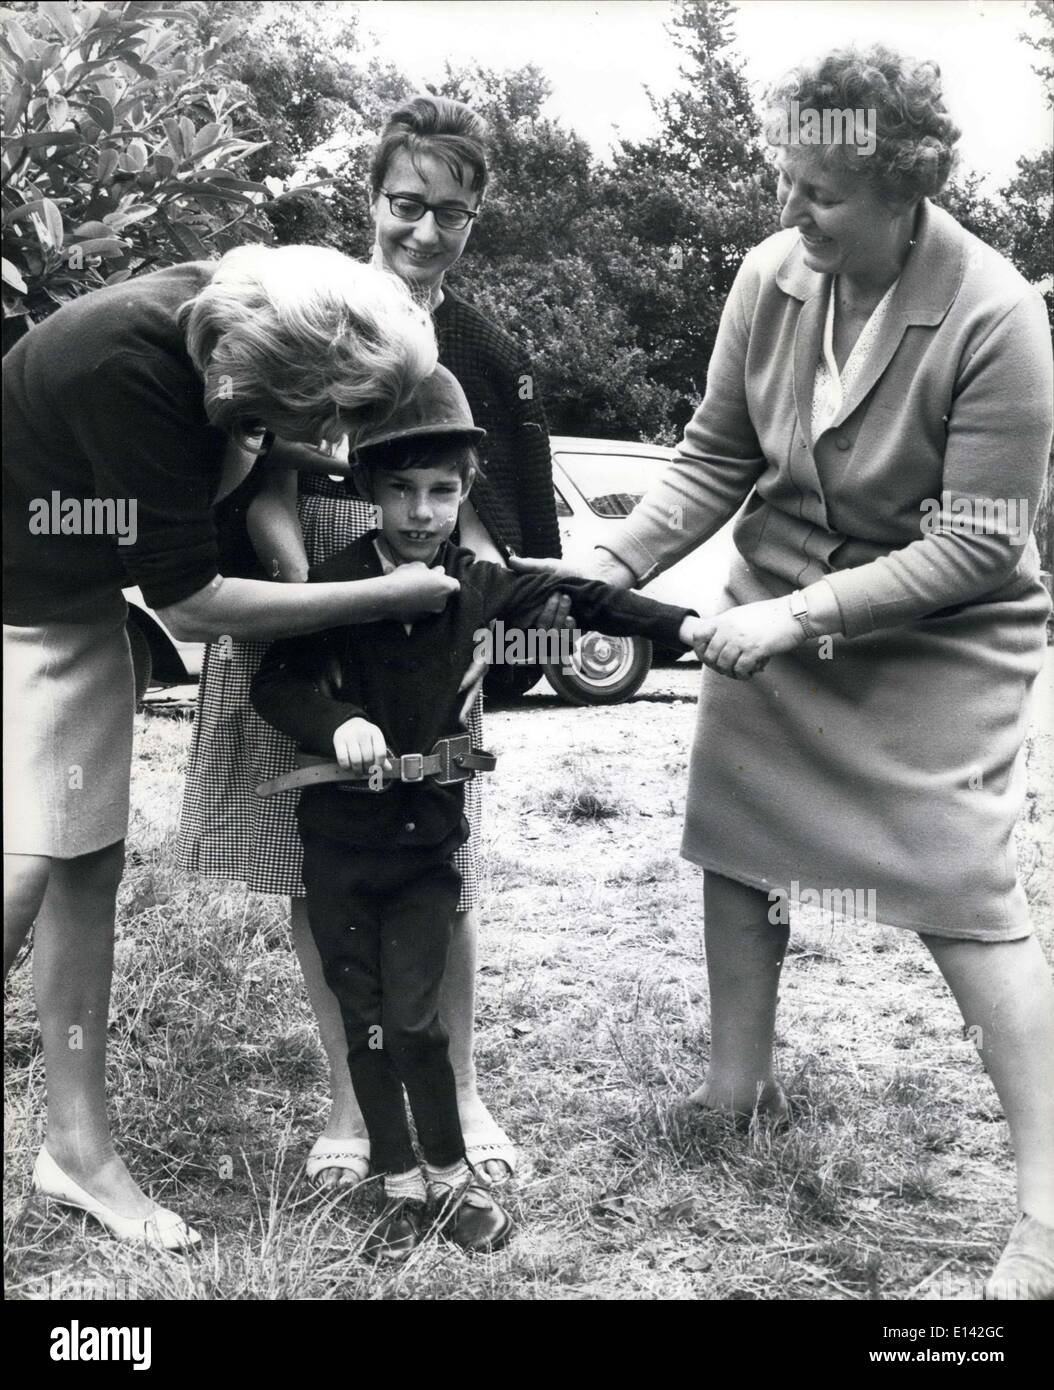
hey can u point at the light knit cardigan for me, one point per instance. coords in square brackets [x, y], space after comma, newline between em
[953, 405]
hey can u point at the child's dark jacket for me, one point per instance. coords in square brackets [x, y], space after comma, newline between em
[407, 683]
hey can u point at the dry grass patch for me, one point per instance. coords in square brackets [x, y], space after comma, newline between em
[893, 1174]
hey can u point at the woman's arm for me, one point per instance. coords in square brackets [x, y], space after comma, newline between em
[998, 441]
[717, 463]
[274, 528]
[254, 610]
[995, 462]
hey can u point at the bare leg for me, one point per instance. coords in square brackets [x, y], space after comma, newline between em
[25, 883]
[744, 955]
[72, 968]
[458, 1008]
[1005, 989]
[345, 1117]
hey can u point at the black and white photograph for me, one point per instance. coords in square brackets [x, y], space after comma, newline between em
[528, 686]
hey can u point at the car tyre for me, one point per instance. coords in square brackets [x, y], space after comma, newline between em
[506, 684]
[605, 670]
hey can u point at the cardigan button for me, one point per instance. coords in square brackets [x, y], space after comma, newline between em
[843, 442]
[410, 825]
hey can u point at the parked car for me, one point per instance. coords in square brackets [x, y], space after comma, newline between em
[158, 657]
[598, 482]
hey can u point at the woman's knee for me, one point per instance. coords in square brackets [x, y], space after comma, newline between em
[91, 876]
[25, 883]
[734, 901]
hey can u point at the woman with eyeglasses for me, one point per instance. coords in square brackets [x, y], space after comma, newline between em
[428, 177]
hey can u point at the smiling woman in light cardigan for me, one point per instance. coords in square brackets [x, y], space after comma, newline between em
[874, 362]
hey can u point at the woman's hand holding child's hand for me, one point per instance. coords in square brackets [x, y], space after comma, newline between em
[360, 746]
[739, 642]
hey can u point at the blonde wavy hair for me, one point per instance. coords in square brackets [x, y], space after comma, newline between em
[306, 342]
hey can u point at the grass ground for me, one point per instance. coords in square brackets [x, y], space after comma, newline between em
[894, 1180]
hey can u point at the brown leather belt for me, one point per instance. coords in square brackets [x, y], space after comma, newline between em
[451, 760]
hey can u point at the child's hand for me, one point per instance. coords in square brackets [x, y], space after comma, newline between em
[739, 641]
[360, 746]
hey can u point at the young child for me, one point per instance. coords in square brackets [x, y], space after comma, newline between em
[381, 889]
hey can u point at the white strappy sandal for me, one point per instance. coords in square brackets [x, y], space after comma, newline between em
[349, 1155]
[490, 1144]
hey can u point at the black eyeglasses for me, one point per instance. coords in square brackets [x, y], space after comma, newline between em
[410, 209]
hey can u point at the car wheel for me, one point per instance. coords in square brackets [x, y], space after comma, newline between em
[142, 659]
[604, 670]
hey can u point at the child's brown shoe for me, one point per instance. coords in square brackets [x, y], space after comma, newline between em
[398, 1231]
[470, 1217]
[1026, 1267]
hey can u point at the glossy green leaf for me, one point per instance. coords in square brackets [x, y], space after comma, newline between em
[91, 229]
[43, 138]
[101, 112]
[18, 40]
[58, 111]
[61, 18]
[13, 278]
[15, 104]
[106, 166]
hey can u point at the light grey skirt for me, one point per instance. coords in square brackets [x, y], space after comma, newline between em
[69, 707]
[881, 777]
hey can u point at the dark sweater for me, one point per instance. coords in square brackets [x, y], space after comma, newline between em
[101, 400]
[407, 683]
[514, 497]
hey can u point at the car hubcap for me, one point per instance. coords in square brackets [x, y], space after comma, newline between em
[603, 660]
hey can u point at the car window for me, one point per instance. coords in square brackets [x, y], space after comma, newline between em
[562, 509]
[613, 484]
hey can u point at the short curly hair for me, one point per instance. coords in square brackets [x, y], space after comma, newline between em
[913, 153]
[307, 341]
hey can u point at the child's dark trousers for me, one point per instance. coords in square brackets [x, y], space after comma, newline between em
[382, 920]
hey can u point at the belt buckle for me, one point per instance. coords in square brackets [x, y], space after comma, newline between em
[412, 767]
[451, 751]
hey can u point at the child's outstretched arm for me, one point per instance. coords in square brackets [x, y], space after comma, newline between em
[274, 527]
[617, 612]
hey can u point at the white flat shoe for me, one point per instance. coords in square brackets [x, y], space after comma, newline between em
[1026, 1267]
[350, 1155]
[162, 1229]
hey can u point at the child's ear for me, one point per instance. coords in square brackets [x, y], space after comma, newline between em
[358, 483]
[466, 486]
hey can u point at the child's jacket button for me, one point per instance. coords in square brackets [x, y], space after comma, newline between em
[410, 825]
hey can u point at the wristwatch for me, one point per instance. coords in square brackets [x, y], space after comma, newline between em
[800, 608]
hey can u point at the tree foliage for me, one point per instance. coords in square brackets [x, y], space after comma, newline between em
[119, 152]
[137, 134]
